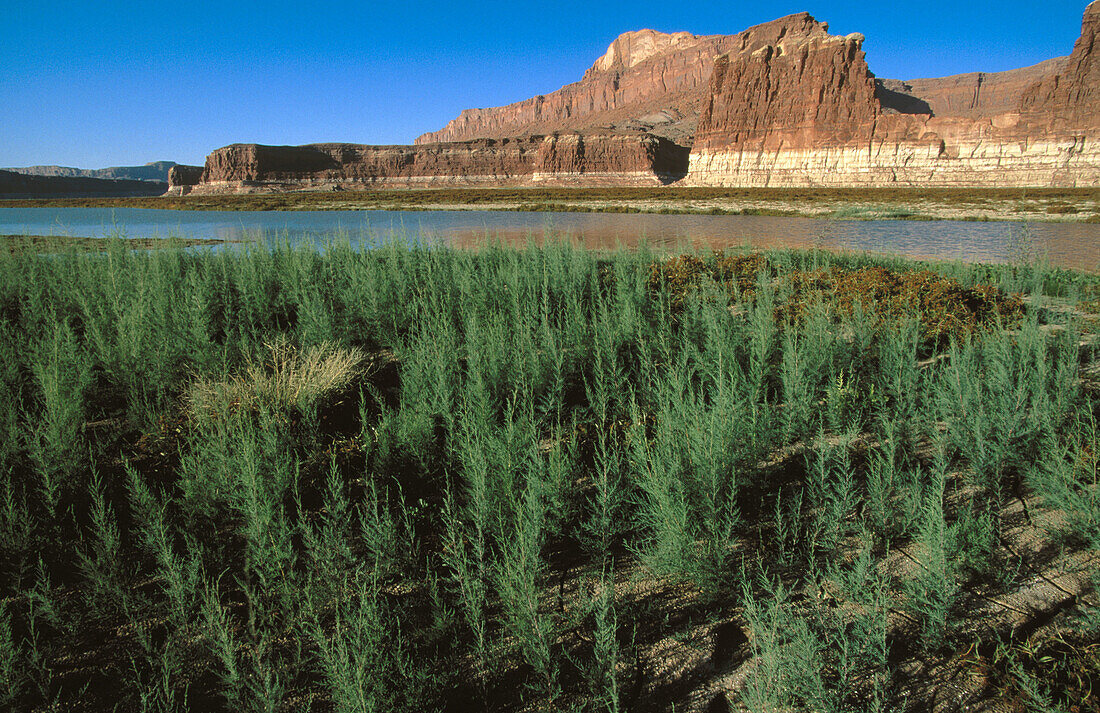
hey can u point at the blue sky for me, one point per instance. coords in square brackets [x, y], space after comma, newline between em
[95, 84]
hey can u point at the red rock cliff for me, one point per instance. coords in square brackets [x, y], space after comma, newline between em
[976, 94]
[321, 163]
[807, 111]
[784, 103]
[570, 159]
[1072, 97]
[182, 178]
[647, 80]
[810, 88]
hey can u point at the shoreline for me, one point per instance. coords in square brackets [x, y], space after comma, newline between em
[47, 244]
[1055, 205]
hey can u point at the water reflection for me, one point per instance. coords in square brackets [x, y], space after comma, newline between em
[1075, 245]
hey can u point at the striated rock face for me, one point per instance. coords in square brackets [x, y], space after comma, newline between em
[588, 157]
[244, 166]
[568, 159]
[784, 103]
[182, 178]
[807, 111]
[1072, 97]
[810, 89]
[977, 94]
[646, 81]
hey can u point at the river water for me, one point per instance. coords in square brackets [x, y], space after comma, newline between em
[1074, 245]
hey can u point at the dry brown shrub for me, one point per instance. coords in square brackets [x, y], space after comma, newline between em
[286, 378]
[944, 307]
[683, 274]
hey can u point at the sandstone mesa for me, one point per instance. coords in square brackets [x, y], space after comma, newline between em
[784, 103]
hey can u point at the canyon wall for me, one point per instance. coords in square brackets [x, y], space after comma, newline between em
[647, 81]
[182, 178]
[569, 159]
[784, 103]
[808, 111]
[977, 94]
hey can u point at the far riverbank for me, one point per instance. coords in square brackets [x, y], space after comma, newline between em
[1070, 205]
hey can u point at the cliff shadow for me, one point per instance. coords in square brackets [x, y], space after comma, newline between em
[294, 160]
[895, 95]
[671, 162]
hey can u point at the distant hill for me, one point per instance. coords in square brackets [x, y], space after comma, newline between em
[20, 185]
[155, 171]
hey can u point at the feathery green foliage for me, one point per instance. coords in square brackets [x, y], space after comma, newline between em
[407, 477]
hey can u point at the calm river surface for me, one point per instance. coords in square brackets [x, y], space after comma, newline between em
[1075, 245]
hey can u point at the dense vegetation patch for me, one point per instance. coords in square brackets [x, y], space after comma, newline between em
[941, 305]
[410, 478]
